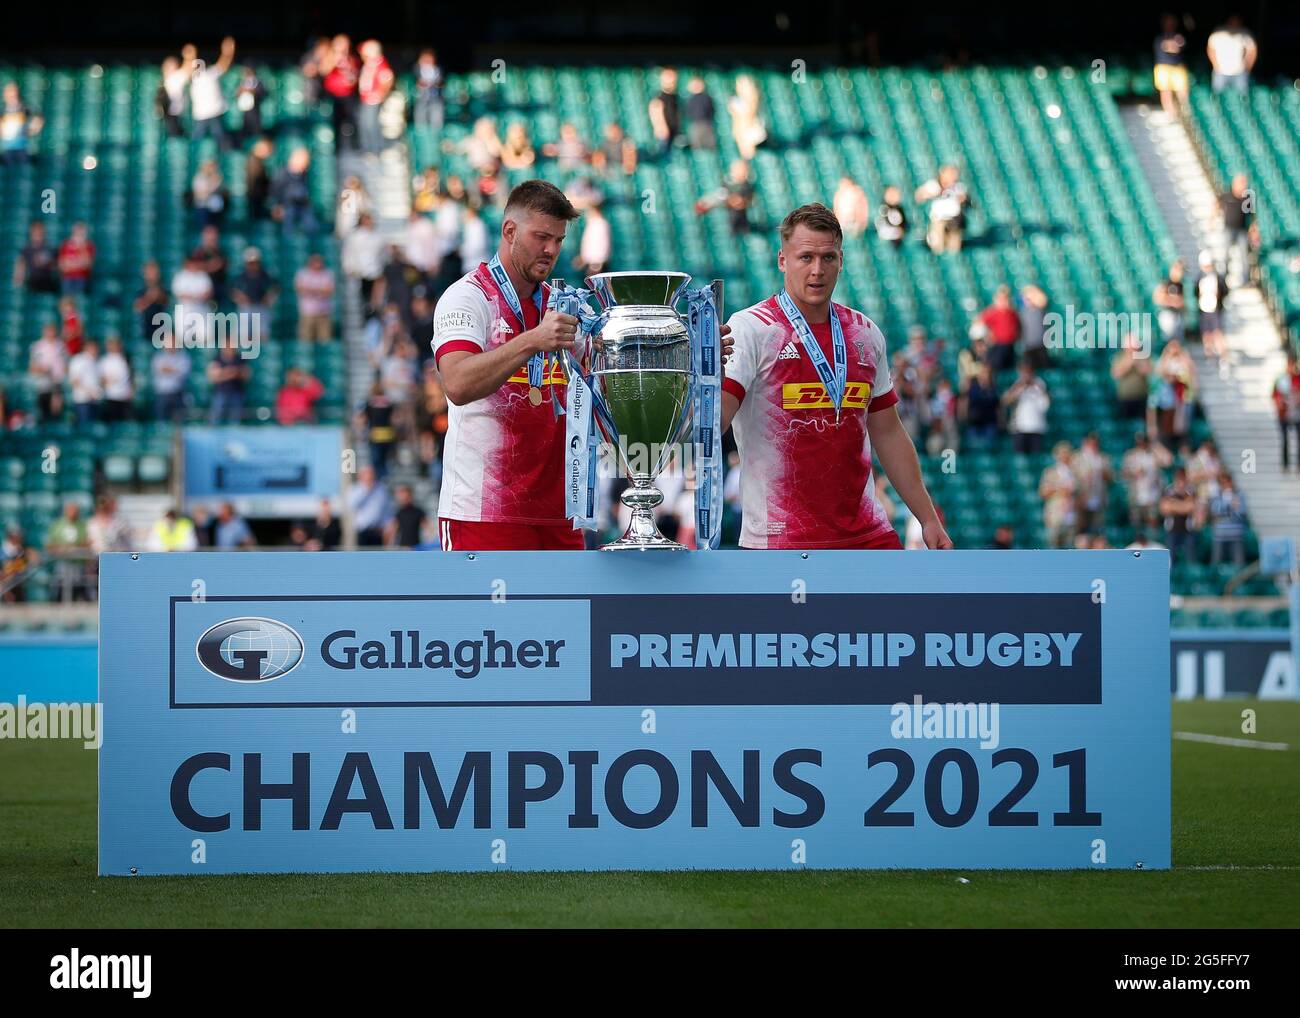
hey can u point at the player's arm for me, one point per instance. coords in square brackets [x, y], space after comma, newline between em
[467, 376]
[893, 445]
[730, 404]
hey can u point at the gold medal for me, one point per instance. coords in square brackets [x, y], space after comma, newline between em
[534, 395]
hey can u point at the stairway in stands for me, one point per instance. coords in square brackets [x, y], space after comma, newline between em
[1239, 407]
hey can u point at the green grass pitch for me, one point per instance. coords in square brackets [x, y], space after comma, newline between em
[1236, 851]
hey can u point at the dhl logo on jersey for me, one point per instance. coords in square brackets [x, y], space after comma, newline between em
[553, 375]
[812, 396]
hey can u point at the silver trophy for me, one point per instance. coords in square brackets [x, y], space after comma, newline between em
[642, 366]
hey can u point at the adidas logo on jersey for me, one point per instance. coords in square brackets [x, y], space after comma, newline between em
[789, 352]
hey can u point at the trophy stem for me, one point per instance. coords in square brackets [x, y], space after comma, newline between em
[641, 497]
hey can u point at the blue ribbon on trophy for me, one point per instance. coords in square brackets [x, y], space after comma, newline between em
[585, 407]
[703, 313]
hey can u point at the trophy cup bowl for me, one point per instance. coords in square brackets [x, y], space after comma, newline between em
[642, 368]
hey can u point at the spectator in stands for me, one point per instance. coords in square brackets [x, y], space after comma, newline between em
[231, 531]
[1002, 322]
[1032, 305]
[1170, 69]
[173, 532]
[36, 266]
[374, 82]
[322, 533]
[353, 202]
[943, 434]
[747, 127]
[978, 408]
[291, 194]
[583, 192]
[851, 207]
[11, 418]
[1057, 488]
[891, 219]
[429, 106]
[204, 525]
[208, 195]
[19, 124]
[257, 179]
[1004, 538]
[1232, 52]
[616, 155]
[228, 375]
[1203, 470]
[595, 247]
[1093, 474]
[1173, 394]
[375, 418]
[421, 242]
[1178, 507]
[362, 258]
[314, 285]
[150, 300]
[1143, 541]
[431, 421]
[1286, 397]
[449, 219]
[1141, 468]
[16, 557]
[250, 93]
[255, 293]
[171, 96]
[72, 329]
[214, 261]
[399, 280]
[570, 152]
[340, 69]
[1237, 210]
[192, 290]
[948, 200]
[736, 193]
[371, 507]
[83, 379]
[296, 401]
[481, 148]
[207, 98]
[47, 367]
[1169, 298]
[664, 110]
[1211, 289]
[517, 150]
[67, 536]
[403, 530]
[425, 189]
[169, 370]
[700, 113]
[115, 382]
[1131, 370]
[106, 529]
[1228, 523]
[1027, 403]
[76, 261]
[490, 189]
[475, 241]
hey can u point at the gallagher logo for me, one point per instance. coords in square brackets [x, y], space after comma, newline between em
[249, 650]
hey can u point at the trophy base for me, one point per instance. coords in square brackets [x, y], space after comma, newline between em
[642, 533]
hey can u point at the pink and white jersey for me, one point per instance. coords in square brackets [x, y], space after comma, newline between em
[503, 460]
[804, 481]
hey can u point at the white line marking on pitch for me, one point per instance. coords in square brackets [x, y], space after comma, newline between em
[1265, 867]
[1220, 740]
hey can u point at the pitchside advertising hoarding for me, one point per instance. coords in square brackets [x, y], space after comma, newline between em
[420, 711]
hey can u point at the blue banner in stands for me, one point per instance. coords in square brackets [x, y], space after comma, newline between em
[444, 711]
[263, 471]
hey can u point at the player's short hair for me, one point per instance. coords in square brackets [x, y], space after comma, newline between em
[815, 216]
[541, 197]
